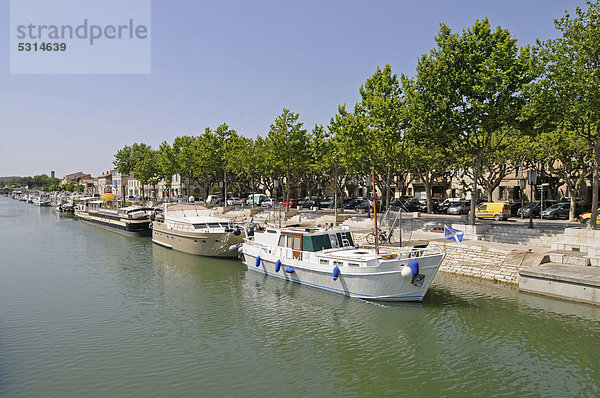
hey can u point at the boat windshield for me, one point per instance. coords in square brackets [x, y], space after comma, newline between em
[315, 243]
[209, 225]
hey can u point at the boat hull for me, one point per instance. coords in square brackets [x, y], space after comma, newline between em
[384, 283]
[116, 224]
[200, 244]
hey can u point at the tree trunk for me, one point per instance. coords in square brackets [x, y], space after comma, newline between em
[474, 192]
[287, 190]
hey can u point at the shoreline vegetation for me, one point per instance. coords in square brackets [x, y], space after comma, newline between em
[478, 107]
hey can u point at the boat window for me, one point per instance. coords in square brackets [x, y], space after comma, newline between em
[353, 265]
[281, 241]
[315, 243]
[324, 261]
[199, 226]
[297, 243]
[214, 225]
[333, 240]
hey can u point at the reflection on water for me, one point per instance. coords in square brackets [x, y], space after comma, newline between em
[88, 312]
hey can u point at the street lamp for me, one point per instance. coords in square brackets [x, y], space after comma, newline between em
[532, 179]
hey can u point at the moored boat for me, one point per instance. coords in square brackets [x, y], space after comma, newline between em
[131, 220]
[329, 260]
[193, 229]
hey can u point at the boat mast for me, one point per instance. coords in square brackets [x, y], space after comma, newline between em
[375, 211]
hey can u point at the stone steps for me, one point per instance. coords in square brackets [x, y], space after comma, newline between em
[580, 242]
[569, 257]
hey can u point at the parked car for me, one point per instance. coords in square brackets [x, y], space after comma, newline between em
[212, 199]
[291, 203]
[461, 207]
[368, 204]
[351, 204]
[325, 203]
[411, 205]
[443, 207]
[584, 218]
[497, 211]
[561, 210]
[268, 203]
[423, 205]
[309, 203]
[364, 205]
[234, 201]
[533, 208]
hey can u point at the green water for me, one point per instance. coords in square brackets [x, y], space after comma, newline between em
[86, 312]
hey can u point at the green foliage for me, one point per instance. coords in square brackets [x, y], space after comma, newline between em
[567, 94]
[287, 147]
[48, 184]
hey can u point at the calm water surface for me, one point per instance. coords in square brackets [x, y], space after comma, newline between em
[88, 312]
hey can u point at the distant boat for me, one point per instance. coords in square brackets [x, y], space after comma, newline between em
[193, 229]
[132, 220]
[42, 200]
[329, 260]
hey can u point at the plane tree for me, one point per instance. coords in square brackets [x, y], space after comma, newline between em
[287, 147]
[380, 109]
[483, 72]
[567, 95]
[425, 117]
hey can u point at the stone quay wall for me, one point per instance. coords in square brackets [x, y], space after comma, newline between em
[484, 262]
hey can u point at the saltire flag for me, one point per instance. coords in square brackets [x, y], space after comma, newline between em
[453, 234]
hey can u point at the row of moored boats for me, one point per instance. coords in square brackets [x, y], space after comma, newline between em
[325, 258]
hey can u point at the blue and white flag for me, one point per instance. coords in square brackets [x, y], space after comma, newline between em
[453, 234]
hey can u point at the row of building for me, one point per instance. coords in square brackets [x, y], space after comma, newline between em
[120, 184]
[512, 188]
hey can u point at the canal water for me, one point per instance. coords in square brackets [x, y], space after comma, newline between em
[88, 312]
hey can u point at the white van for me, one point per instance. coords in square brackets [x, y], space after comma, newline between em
[255, 199]
[211, 199]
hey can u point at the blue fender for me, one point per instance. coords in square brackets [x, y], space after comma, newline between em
[277, 265]
[336, 273]
[414, 266]
[257, 261]
[290, 270]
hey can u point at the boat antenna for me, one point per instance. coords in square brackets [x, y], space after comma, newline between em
[375, 211]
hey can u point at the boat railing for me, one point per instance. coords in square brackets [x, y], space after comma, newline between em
[397, 253]
[406, 252]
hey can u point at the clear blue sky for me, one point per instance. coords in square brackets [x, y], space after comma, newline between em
[238, 62]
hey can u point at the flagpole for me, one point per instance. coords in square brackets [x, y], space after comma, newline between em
[445, 239]
[375, 212]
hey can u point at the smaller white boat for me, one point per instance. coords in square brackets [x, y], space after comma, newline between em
[42, 200]
[328, 259]
[193, 229]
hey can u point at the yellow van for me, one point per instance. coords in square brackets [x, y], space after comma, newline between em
[497, 211]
